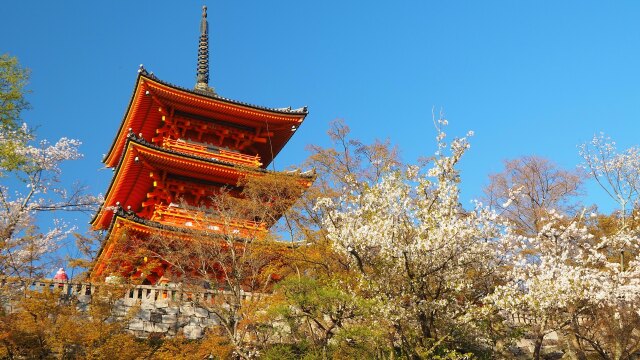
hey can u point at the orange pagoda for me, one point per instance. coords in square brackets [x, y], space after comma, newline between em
[178, 147]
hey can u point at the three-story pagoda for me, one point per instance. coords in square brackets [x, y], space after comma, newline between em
[176, 149]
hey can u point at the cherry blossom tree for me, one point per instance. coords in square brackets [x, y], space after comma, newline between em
[30, 183]
[427, 260]
[349, 165]
[577, 276]
[617, 173]
[575, 287]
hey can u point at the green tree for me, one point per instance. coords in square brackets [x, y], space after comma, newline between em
[13, 80]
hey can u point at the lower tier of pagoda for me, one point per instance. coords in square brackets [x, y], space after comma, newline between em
[169, 222]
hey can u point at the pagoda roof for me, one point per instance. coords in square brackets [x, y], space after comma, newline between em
[132, 180]
[126, 220]
[152, 98]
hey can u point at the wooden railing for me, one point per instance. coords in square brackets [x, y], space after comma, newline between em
[216, 154]
[174, 215]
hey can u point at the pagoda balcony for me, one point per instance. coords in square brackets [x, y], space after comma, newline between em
[199, 220]
[204, 151]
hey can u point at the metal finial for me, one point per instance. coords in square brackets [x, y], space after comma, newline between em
[202, 74]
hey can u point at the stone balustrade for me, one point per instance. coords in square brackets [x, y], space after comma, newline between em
[527, 319]
[166, 309]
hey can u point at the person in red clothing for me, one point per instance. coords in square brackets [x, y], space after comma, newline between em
[61, 275]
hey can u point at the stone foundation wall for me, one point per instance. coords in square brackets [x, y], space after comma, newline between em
[170, 319]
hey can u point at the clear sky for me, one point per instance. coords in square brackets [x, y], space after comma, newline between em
[528, 77]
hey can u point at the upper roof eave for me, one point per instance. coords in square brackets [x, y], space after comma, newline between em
[143, 76]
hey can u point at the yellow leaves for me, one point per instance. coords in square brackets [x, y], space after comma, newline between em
[48, 325]
[119, 346]
[213, 344]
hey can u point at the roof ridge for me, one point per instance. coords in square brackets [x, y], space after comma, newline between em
[284, 110]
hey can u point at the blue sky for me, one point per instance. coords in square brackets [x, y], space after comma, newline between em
[528, 77]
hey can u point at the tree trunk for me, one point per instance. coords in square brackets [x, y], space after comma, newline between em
[537, 348]
[424, 324]
[572, 345]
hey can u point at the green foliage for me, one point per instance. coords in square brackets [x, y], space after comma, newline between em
[280, 352]
[335, 322]
[13, 79]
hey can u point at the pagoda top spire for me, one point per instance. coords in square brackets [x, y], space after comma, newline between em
[202, 73]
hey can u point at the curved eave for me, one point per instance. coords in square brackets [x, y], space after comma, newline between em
[143, 117]
[131, 181]
[127, 221]
[118, 225]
